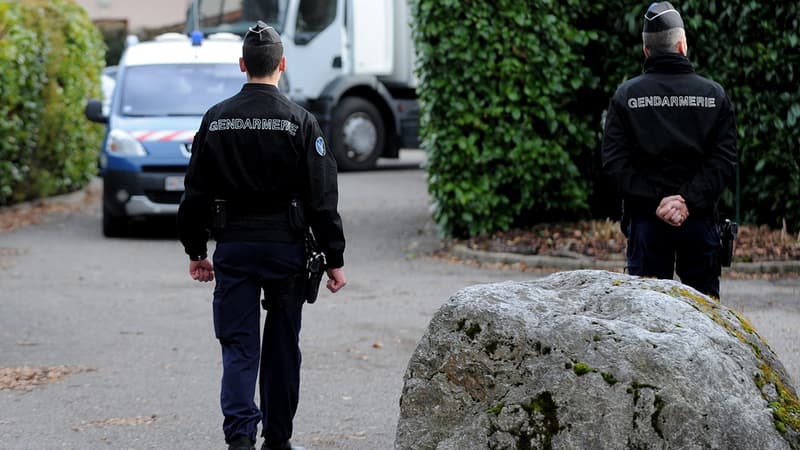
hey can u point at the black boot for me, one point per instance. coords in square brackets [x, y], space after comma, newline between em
[283, 446]
[241, 443]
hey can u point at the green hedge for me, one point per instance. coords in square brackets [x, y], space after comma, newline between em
[52, 57]
[757, 59]
[513, 93]
[499, 118]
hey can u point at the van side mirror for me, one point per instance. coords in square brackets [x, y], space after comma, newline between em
[94, 111]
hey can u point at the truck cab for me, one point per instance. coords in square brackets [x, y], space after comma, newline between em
[349, 62]
[162, 89]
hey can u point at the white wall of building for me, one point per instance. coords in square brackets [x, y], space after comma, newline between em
[138, 13]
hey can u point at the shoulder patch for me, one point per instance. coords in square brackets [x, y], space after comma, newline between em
[320, 146]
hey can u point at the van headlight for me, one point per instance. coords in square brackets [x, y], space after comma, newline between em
[123, 143]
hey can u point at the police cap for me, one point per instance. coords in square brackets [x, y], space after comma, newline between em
[661, 16]
[261, 34]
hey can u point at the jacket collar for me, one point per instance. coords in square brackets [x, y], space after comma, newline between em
[668, 63]
[259, 87]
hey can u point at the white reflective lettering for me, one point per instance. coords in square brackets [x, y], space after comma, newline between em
[253, 123]
[653, 101]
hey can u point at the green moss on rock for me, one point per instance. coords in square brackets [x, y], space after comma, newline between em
[543, 421]
[496, 409]
[581, 369]
[786, 411]
[473, 330]
[609, 378]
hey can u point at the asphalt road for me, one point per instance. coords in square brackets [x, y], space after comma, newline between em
[126, 310]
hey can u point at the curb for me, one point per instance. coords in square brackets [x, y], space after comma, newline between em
[536, 261]
[765, 267]
[29, 212]
[74, 198]
[578, 263]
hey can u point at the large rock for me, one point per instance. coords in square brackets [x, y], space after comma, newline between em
[594, 360]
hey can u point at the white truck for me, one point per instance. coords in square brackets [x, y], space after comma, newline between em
[350, 62]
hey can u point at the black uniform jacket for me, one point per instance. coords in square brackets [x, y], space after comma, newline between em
[670, 131]
[258, 151]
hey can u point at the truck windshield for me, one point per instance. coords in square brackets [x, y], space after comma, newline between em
[177, 89]
[236, 16]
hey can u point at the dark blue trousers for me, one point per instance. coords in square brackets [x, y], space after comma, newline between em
[242, 271]
[657, 249]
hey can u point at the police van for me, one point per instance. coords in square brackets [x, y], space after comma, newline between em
[162, 89]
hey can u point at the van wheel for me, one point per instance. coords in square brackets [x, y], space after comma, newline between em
[114, 226]
[358, 134]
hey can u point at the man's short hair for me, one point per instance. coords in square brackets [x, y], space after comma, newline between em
[664, 41]
[262, 60]
[262, 50]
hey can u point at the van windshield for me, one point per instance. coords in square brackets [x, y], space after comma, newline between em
[177, 89]
[236, 16]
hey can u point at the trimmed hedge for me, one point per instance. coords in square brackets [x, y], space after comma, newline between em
[513, 94]
[52, 57]
[753, 49]
[499, 116]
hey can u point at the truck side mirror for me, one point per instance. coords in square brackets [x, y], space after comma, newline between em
[94, 111]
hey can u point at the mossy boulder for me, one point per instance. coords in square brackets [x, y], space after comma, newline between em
[593, 359]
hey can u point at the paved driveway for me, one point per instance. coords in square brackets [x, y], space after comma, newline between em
[126, 312]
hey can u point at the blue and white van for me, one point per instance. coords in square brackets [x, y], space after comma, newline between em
[162, 89]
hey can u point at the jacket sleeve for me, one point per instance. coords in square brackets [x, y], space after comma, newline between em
[323, 191]
[705, 188]
[617, 159]
[194, 210]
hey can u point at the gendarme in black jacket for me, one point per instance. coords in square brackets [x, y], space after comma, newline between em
[670, 131]
[258, 150]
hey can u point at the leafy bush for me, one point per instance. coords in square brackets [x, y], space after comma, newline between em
[500, 119]
[513, 93]
[53, 57]
[753, 49]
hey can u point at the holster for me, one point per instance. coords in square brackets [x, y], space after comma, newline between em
[297, 216]
[219, 214]
[315, 267]
[315, 258]
[728, 231]
[624, 221]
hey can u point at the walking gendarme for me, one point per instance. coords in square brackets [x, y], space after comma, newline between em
[259, 180]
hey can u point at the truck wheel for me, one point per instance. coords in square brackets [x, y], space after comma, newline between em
[357, 134]
[114, 226]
